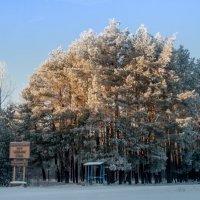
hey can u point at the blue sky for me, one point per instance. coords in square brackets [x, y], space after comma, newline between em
[30, 29]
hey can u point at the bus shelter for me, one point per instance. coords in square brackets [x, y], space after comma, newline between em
[95, 172]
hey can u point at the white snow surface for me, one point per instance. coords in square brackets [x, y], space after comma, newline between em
[104, 192]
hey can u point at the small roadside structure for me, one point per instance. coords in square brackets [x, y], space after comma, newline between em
[95, 172]
[19, 153]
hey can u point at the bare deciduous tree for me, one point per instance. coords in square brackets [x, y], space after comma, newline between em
[5, 85]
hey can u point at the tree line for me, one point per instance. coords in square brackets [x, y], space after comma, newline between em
[130, 100]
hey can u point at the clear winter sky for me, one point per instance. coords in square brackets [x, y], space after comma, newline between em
[30, 29]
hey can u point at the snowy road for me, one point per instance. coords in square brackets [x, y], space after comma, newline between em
[124, 192]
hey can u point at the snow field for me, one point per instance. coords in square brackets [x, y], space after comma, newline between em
[116, 192]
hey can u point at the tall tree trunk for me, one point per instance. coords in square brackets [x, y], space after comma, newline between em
[58, 175]
[44, 177]
[67, 166]
[121, 176]
[76, 171]
[169, 167]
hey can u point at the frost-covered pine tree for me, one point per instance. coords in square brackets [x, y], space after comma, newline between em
[126, 99]
[6, 136]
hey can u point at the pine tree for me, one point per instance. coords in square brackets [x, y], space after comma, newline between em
[6, 136]
[127, 99]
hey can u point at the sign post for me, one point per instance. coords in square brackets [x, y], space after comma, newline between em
[19, 153]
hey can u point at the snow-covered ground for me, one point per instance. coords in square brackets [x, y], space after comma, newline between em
[104, 192]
